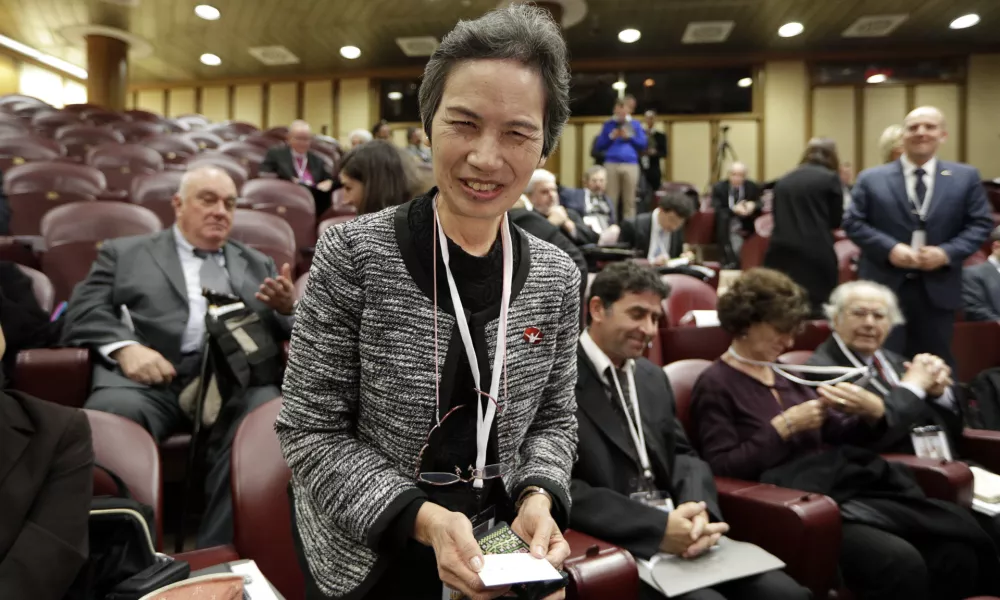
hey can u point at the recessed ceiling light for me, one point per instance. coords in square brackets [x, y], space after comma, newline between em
[965, 21]
[207, 12]
[619, 85]
[745, 82]
[629, 36]
[649, 83]
[791, 29]
[395, 95]
[350, 52]
[877, 78]
[210, 60]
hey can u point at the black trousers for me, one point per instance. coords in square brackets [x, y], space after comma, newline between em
[880, 565]
[774, 585]
[927, 329]
[157, 410]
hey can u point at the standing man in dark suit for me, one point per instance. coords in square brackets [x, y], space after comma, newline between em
[637, 482]
[736, 201]
[296, 163]
[46, 480]
[981, 286]
[659, 235]
[598, 212]
[916, 220]
[142, 313]
[656, 151]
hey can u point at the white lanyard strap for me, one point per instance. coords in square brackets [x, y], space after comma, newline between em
[483, 423]
[841, 373]
[638, 437]
[920, 209]
[300, 169]
[890, 373]
[655, 236]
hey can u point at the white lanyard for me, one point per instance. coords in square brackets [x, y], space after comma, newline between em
[655, 247]
[300, 170]
[890, 373]
[483, 423]
[638, 438]
[842, 373]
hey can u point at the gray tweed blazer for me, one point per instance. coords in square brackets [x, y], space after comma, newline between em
[359, 388]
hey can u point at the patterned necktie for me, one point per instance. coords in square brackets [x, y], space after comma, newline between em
[920, 188]
[879, 368]
[213, 275]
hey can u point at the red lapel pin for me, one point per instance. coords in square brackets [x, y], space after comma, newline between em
[533, 336]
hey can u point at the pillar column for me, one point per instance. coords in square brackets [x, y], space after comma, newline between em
[554, 8]
[107, 72]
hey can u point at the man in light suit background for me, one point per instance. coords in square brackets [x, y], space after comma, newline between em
[981, 286]
[142, 313]
[916, 220]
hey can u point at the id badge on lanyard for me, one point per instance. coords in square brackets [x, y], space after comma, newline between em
[919, 238]
[930, 442]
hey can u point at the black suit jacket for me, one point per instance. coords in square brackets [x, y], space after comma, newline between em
[24, 323]
[46, 479]
[981, 292]
[607, 467]
[635, 234]
[539, 226]
[723, 213]
[279, 161]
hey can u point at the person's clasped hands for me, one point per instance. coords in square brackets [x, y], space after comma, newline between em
[690, 532]
[928, 372]
[853, 400]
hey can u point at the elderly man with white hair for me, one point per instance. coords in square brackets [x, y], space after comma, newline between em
[912, 395]
[736, 201]
[360, 136]
[295, 162]
[543, 195]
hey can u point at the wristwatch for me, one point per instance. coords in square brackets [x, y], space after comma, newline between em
[529, 491]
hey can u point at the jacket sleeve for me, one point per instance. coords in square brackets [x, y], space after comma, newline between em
[719, 201]
[873, 243]
[270, 162]
[549, 448]
[584, 234]
[627, 236]
[638, 139]
[661, 144]
[603, 141]
[975, 297]
[615, 518]
[348, 480]
[92, 319]
[835, 198]
[52, 545]
[976, 223]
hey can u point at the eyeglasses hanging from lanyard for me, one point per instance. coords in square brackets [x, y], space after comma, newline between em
[839, 373]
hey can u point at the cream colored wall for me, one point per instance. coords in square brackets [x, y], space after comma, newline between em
[882, 106]
[569, 157]
[786, 94]
[248, 104]
[8, 75]
[354, 106]
[151, 100]
[743, 137]
[318, 106]
[834, 116]
[693, 163]
[215, 102]
[181, 102]
[944, 96]
[982, 109]
[282, 103]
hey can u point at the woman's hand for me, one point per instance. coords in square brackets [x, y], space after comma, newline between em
[801, 417]
[459, 558]
[534, 522]
[853, 400]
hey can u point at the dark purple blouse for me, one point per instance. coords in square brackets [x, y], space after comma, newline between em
[731, 413]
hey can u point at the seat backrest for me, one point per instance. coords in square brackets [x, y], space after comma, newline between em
[795, 357]
[682, 375]
[707, 343]
[135, 131]
[11, 126]
[687, 293]
[700, 228]
[205, 140]
[249, 156]
[328, 223]
[174, 148]
[976, 347]
[29, 208]
[278, 192]
[144, 116]
[96, 221]
[30, 148]
[233, 130]
[47, 121]
[847, 254]
[264, 140]
[129, 451]
[261, 516]
[813, 334]
[156, 191]
[87, 135]
[101, 116]
[133, 158]
[41, 286]
[54, 176]
[976, 258]
[265, 232]
[752, 254]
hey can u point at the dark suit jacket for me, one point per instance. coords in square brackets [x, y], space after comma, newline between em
[4, 210]
[576, 199]
[981, 292]
[46, 479]
[144, 273]
[654, 172]
[539, 226]
[279, 161]
[635, 234]
[881, 216]
[723, 214]
[607, 469]
[25, 325]
[903, 409]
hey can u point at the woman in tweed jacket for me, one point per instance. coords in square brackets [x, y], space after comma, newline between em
[376, 349]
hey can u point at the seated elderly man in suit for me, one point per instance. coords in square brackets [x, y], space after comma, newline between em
[46, 481]
[736, 201]
[142, 312]
[659, 235]
[642, 486]
[981, 286]
[543, 196]
[598, 212]
[296, 163]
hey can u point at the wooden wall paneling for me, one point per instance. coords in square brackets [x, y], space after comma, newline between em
[588, 131]
[151, 100]
[354, 106]
[834, 116]
[317, 107]
[946, 98]
[883, 106]
[282, 104]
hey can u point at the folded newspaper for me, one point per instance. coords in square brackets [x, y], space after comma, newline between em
[673, 576]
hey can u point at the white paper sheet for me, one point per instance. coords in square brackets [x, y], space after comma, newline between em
[508, 569]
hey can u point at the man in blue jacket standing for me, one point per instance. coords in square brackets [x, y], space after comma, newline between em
[623, 140]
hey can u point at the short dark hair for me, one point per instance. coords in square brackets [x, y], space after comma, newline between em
[763, 296]
[677, 202]
[618, 279]
[380, 167]
[527, 34]
[378, 125]
[409, 133]
[822, 152]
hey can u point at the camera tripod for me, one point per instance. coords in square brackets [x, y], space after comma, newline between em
[723, 150]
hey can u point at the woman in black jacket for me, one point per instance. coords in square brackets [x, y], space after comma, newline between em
[808, 206]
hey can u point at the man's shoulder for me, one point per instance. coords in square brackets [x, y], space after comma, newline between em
[129, 244]
[647, 369]
[878, 171]
[979, 270]
[958, 169]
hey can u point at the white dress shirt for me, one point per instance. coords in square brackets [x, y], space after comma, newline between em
[659, 240]
[947, 399]
[600, 360]
[194, 331]
[911, 181]
[993, 261]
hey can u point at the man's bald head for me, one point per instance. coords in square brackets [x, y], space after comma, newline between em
[923, 131]
[737, 174]
[204, 207]
[299, 136]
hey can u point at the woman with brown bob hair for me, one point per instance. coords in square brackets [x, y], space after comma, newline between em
[808, 206]
[375, 176]
[754, 420]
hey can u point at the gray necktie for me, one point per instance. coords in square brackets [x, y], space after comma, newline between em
[213, 275]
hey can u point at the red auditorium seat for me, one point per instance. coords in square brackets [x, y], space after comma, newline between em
[79, 139]
[121, 163]
[205, 140]
[11, 126]
[686, 294]
[290, 201]
[11, 101]
[143, 116]
[101, 117]
[175, 149]
[17, 150]
[993, 195]
[328, 223]
[194, 121]
[81, 107]
[752, 253]
[41, 287]
[156, 192]
[338, 208]
[175, 126]
[212, 158]
[264, 140]
[709, 343]
[54, 176]
[700, 228]
[847, 254]
[127, 450]
[29, 208]
[267, 233]
[233, 130]
[74, 232]
[47, 121]
[976, 347]
[248, 155]
[137, 131]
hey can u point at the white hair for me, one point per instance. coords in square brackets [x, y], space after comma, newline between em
[737, 166]
[364, 134]
[298, 124]
[890, 140]
[191, 176]
[846, 291]
[539, 176]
